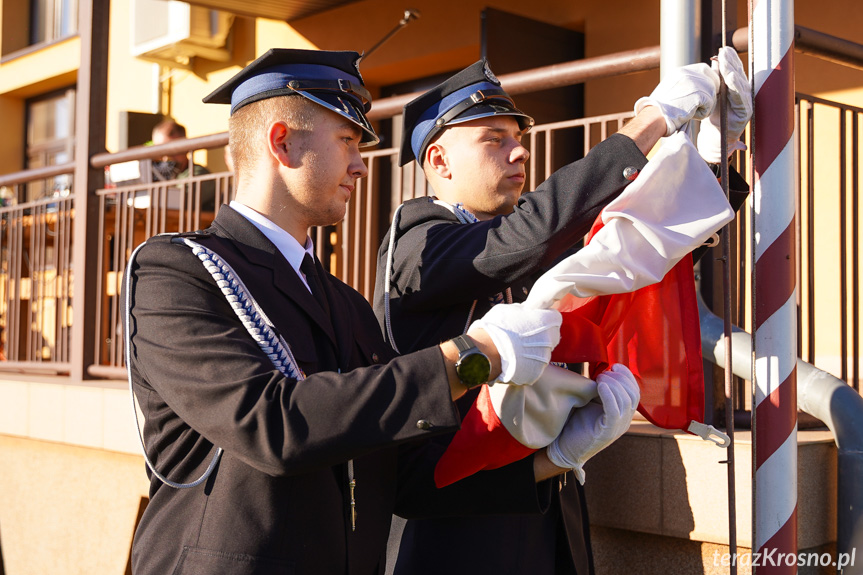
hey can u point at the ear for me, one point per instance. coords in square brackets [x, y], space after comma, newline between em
[437, 161]
[279, 143]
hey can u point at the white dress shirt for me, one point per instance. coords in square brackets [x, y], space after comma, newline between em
[284, 242]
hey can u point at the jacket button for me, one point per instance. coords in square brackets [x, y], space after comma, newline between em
[630, 173]
[424, 425]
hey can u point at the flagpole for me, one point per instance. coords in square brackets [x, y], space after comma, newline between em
[774, 377]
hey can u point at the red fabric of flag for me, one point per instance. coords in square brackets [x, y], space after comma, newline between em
[654, 331]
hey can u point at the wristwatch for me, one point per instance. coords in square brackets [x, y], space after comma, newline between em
[473, 367]
[716, 169]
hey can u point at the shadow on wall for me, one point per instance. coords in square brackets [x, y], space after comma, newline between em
[638, 503]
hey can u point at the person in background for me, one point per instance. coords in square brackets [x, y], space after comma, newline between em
[176, 166]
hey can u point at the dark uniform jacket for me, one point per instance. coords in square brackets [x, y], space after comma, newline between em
[278, 501]
[440, 268]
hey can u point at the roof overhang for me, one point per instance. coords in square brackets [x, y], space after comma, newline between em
[273, 9]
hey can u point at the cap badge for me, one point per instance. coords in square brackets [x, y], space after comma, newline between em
[490, 75]
[347, 111]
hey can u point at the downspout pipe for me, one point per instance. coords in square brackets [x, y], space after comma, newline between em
[821, 395]
[680, 40]
[679, 33]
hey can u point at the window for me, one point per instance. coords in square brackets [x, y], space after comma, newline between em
[50, 141]
[52, 19]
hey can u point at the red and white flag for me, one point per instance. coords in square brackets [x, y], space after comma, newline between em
[627, 297]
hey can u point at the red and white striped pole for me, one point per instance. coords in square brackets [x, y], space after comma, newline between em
[774, 426]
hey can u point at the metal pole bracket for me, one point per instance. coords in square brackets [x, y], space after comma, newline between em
[709, 433]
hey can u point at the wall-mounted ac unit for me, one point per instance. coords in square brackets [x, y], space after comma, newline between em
[171, 32]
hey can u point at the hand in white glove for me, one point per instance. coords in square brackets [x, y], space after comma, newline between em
[524, 338]
[685, 93]
[739, 100]
[592, 428]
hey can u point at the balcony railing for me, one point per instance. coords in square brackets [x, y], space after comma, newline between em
[830, 182]
[36, 238]
[36, 272]
[130, 214]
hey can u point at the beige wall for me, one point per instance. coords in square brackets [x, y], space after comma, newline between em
[815, 76]
[12, 149]
[131, 81]
[42, 71]
[66, 509]
[71, 477]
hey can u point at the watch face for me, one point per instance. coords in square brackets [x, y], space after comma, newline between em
[473, 369]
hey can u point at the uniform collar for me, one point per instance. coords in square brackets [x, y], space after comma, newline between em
[289, 247]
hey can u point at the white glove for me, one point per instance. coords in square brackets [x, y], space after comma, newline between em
[685, 93]
[592, 428]
[524, 338]
[739, 109]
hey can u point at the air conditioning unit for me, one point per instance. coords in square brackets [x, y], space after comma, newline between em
[173, 33]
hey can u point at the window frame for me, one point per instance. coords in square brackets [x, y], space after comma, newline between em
[41, 153]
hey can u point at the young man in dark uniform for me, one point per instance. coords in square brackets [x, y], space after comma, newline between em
[273, 408]
[479, 241]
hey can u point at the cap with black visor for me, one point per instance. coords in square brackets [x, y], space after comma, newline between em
[472, 93]
[329, 79]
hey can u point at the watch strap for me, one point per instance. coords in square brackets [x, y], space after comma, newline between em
[463, 343]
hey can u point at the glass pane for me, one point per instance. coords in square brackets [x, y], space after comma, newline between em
[36, 161]
[49, 141]
[40, 13]
[63, 117]
[50, 119]
[42, 124]
[68, 23]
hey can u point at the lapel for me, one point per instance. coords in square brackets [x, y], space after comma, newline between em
[258, 250]
[341, 316]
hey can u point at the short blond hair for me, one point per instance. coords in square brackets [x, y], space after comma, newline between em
[248, 126]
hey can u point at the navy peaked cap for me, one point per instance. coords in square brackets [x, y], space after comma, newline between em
[330, 79]
[473, 93]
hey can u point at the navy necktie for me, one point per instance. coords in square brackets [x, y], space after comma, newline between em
[310, 271]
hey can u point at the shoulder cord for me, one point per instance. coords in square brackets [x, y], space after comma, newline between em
[387, 277]
[464, 217]
[250, 314]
